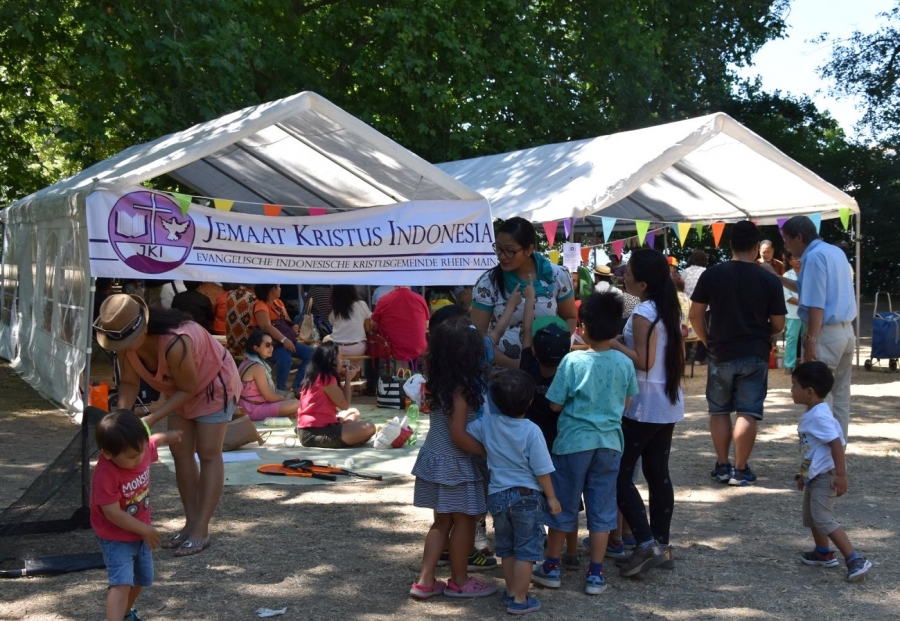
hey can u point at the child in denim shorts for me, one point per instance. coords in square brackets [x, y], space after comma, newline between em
[823, 471]
[591, 389]
[520, 468]
[120, 507]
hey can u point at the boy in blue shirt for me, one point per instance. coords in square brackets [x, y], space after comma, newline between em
[520, 467]
[823, 471]
[591, 390]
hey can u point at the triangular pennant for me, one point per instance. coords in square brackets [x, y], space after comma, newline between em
[617, 247]
[651, 238]
[641, 226]
[222, 204]
[550, 231]
[845, 217]
[816, 219]
[585, 255]
[683, 229]
[184, 201]
[318, 211]
[553, 255]
[698, 226]
[272, 210]
[608, 225]
[717, 228]
[567, 225]
[781, 222]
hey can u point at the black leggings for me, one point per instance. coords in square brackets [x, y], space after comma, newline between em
[651, 442]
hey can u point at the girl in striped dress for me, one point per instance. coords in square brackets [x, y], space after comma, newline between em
[448, 479]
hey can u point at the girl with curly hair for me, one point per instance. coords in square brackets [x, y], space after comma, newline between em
[448, 478]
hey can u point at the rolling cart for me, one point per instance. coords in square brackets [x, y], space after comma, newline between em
[885, 337]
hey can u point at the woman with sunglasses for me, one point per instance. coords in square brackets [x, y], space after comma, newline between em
[258, 396]
[271, 316]
[180, 359]
[518, 265]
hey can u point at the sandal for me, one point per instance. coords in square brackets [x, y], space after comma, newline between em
[191, 547]
[174, 541]
[420, 591]
[472, 588]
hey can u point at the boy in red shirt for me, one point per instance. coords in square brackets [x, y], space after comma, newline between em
[120, 507]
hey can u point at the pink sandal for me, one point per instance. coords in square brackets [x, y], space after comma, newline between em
[473, 587]
[420, 591]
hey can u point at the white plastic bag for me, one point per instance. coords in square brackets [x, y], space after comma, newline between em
[414, 388]
[390, 432]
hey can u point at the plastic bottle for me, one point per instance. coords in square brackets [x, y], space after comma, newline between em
[412, 416]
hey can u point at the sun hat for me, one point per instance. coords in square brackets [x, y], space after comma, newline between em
[122, 320]
[602, 270]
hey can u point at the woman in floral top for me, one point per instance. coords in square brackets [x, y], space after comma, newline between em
[517, 266]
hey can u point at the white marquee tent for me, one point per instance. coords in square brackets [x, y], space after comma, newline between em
[706, 169]
[296, 152]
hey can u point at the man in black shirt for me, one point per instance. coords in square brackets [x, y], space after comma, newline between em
[746, 306]
[194, 303]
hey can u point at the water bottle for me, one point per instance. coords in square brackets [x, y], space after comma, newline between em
[412, 417]
[349, 463]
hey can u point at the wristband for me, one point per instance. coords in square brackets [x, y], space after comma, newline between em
[283, 339]
[812, 338]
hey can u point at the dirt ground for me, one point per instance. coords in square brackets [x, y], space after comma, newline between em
[351, 551]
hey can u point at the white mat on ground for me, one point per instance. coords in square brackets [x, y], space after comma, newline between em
[240, 465]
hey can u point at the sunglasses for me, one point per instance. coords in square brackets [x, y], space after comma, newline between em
[267, 344]
[122, 333]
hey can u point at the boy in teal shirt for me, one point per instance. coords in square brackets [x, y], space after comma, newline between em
[591, 390]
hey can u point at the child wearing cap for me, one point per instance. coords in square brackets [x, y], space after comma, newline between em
[545, 341]
[591, 390]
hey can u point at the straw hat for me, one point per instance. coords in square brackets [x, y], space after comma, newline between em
[122, 320]
[602, 270]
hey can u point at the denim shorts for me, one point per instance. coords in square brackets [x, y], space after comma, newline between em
[591, 474]
[222, 416]
[127, 562]
[738, 385]
[518, 519]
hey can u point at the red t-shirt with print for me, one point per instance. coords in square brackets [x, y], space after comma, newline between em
[129, 487]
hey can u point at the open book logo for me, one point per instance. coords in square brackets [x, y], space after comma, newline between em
[149, 233]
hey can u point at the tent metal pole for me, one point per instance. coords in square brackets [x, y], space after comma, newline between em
[858, 281]
[85, 427]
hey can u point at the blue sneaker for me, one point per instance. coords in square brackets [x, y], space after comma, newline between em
[629, 541]
[132, 615]
[594, 584]
[722, 472]
[506, 598]
[612, 551]
[857, 568]
[531, 605]
[549, 579]
[742, 478]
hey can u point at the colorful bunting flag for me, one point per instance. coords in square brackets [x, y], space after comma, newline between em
[568, 224]
[641, 226]
[272, 210]
[816, 219]
[683, 229]
[585, 255]
[781, 222]
[651, 238]
[318, 211]
[184, 201]
[553, 255]
[550, 231]
[617, 247]
[717, 229]
[698, 226]
[222, 204]
[845, 217]
[608, 225]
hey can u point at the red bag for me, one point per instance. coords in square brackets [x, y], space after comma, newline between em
[378, 348]
[405, 433]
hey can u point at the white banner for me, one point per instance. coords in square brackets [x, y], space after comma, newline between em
[140, 233]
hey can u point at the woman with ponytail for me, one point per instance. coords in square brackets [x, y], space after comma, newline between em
[652, 339]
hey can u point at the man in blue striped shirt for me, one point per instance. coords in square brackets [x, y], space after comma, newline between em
[827, 307]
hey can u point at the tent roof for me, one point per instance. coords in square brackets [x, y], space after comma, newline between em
[708, 169]
[298, 151]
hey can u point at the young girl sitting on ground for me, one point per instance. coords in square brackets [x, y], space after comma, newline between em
[325, 418]
[258, 395]
[447, 478]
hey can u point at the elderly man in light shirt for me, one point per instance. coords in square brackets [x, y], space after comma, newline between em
[827, 307]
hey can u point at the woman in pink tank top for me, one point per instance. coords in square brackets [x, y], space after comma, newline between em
[198, 376]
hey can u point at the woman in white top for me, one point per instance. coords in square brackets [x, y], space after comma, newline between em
[653, 341]
[792, 323]
[350, 320]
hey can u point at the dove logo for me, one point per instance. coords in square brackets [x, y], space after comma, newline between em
[149, 233]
